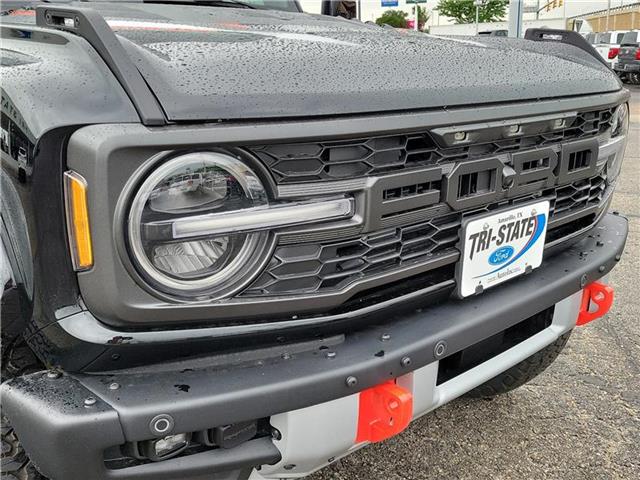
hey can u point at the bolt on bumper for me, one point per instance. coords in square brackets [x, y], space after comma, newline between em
[58, 428]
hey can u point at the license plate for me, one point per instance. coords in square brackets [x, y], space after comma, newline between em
[501, 246]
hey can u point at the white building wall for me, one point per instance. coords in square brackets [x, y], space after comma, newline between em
[572, 8]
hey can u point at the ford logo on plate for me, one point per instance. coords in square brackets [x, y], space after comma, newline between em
[501, 255]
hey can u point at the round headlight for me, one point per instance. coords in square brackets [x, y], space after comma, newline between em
[188, 187]
[620, 120]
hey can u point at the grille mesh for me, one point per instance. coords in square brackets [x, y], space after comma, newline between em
[331, 160]
[579, 195]
[309, 268]
[330, 266]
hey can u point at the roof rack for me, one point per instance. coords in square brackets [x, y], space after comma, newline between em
[563, 36]
[91, 26]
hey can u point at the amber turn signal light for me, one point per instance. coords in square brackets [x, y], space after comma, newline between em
[75, 193]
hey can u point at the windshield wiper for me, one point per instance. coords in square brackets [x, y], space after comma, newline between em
[208, 3]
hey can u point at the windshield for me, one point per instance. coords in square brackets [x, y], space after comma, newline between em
[630, 38]
[286, 5]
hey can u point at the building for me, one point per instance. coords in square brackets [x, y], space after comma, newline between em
[625, 17]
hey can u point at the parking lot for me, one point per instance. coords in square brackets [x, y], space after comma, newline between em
[578, 420]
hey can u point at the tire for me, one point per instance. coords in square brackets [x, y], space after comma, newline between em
[634, 78]
[17, 359]
[15, 462]
[522, 372]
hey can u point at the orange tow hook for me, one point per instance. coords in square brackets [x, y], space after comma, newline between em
[384, 411]
[595, 293]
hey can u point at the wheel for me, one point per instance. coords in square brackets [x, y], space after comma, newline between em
[17, 359]
[634, 78]
[522, 372]
[15, 462]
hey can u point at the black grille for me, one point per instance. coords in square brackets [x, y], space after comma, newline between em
[578, 160]
[474, 183]
[579, 195]
[331, 160]
[309, 268]
[410, 190]
[333, 265]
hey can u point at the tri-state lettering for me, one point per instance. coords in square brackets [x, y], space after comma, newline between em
[507, 232]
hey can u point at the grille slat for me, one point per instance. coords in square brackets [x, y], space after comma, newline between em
[332, 266]
[377, 252]
[345, 159]
[580, 194]
[325, 265]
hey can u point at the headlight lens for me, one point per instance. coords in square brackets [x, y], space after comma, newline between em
[193, 185]
[620, 121]
[618, 133]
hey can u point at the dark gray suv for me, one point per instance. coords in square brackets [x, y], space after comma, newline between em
[628, 64]
[242, 242]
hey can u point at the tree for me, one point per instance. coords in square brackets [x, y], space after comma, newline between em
[464, 11]
[423, 16]
[394, 18]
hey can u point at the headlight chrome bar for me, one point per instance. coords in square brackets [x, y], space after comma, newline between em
[253, 219]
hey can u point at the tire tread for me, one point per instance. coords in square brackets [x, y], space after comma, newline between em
[522, 372]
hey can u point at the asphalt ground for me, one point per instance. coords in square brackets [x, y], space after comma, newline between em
[578, 420]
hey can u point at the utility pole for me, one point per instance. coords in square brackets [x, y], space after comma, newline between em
[516, 8]
[608, 13]
[416, 11]
[478, 4]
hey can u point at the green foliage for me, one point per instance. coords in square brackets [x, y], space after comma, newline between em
[464, 11]
[398, 18]
[395, 18]
[423, 16]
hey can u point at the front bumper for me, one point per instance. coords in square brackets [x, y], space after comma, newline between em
[626, 67]
[316, 436]
[67, 439]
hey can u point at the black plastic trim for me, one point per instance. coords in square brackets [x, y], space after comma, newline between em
[533, 180]
[565, 175]
[563, 36]
[452, 180]
[377, 208]
[65, 430]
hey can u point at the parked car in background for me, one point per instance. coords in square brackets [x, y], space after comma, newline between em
[591, 37]
[608, 44]
[494, 33]
[628, 64]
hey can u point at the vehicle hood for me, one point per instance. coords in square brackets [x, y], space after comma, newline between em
[206, 63]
